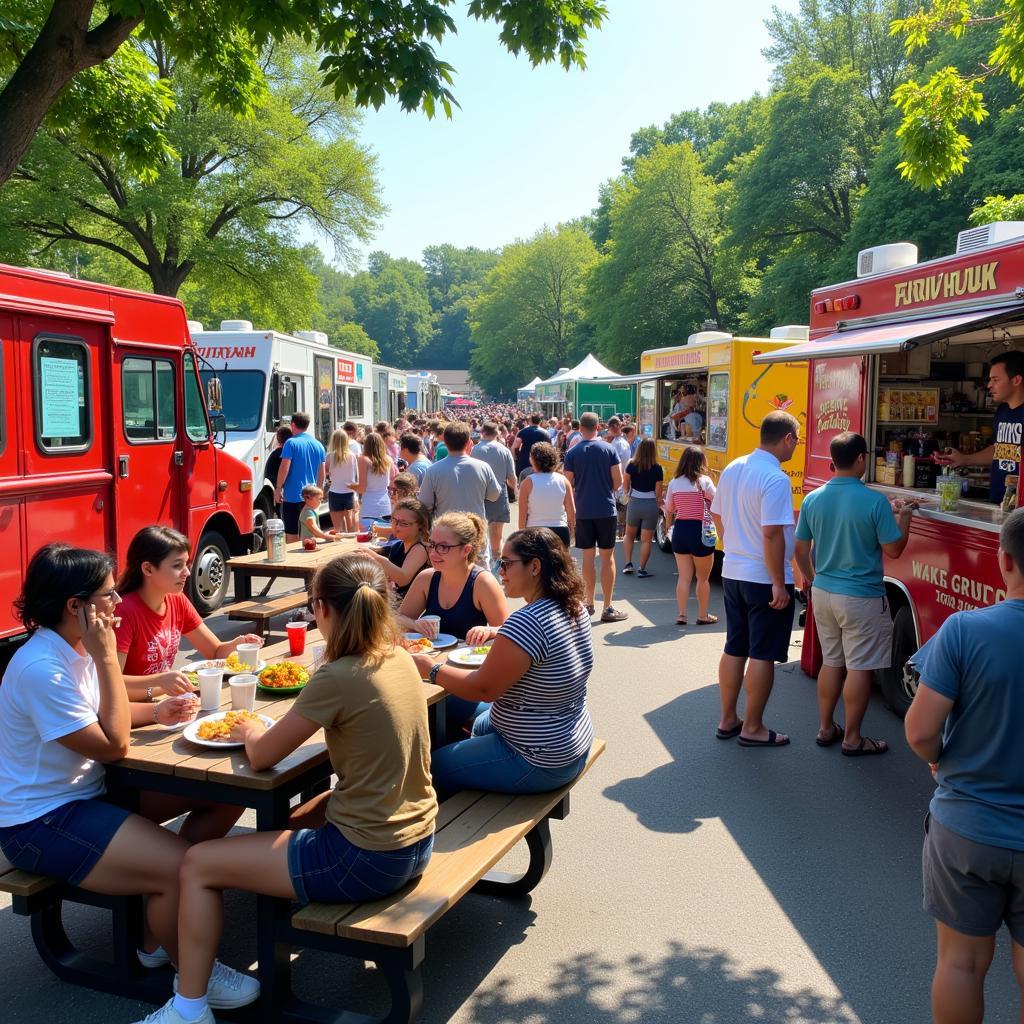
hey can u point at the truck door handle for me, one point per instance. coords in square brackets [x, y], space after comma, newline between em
[122, 467]
[179, 458]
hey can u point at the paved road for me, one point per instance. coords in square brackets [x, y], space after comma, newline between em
[695, 882]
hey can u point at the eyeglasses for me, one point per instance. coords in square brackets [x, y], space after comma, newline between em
[504, 563]
[402, 522]
[441, 549]
[107, 595]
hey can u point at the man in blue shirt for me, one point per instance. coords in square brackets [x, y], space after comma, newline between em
[967, 720]
[302, 463]
[850, 526]
[592, 469]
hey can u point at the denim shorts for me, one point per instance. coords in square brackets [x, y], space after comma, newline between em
[326, 868]
[338, 502]
[64, 843]
[688, 538]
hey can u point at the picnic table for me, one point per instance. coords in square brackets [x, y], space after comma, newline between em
[297, 564]
[164, 761]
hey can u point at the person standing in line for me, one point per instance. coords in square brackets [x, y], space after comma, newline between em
[411, 452]
[643, 481]
[272, 467]
[592, 469]
[440, 450]
[618, 442]
[354, 444]
[376, 472]
[343, 471]
[966, 721]
[753, 511]
[850, 527]
[546, 499]
[499, 458]
[533, 433]
[302, 462]
[574, 436]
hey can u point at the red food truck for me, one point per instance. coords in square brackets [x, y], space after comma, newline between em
[901, 355]
[105, 430]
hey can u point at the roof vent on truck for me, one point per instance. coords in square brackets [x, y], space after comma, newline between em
[236, 325]
[976, 239]
[700, 336]
[316, 337]
[882, 258]
[790, 332]
[195, 327]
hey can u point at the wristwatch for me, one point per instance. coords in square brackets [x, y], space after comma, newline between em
[433, 674]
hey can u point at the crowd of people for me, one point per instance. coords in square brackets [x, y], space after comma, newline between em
[101, 660]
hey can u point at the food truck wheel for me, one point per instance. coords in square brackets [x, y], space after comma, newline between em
[663, 537]
[208, 584]
[899, 682]
[262, 511]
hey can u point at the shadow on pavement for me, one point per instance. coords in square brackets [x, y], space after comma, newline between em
[686, 986]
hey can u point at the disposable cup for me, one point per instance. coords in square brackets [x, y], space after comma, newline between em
[243, 691]
[210, 680]
[319, 652]
[296, 638]
[249, 654]
[433, 624]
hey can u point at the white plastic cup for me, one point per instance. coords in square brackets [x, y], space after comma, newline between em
[433, 624]
[210, 681]
[243, 691]
[249, 654]
[319, 653]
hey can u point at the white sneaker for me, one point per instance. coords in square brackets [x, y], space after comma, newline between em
[158, 958]
[228, 989]
[167, 1014]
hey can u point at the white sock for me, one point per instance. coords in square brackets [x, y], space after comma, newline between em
[190, 1009]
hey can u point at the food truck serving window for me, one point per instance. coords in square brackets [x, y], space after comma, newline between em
[718, 411]
[355, 403]
[147, 399]
[60, 372]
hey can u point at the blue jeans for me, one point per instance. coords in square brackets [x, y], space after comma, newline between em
[486, 761]
[326, 868]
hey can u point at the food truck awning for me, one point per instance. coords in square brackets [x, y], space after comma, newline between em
[884, 338]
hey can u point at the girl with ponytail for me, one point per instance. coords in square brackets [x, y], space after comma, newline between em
[370, 834]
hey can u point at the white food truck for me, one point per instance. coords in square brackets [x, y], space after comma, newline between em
[389, 393]
[424, 393]
[266, 376]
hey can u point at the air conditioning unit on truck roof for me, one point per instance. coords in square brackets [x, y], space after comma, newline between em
[976, 239]
[880, 259]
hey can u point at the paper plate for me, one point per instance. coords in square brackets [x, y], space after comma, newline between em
[192, 729]
[465, 657]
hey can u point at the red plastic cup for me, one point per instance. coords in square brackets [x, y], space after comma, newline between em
[296, 638]
[362, 538]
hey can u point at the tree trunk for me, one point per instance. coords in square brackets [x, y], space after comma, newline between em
[64, 47]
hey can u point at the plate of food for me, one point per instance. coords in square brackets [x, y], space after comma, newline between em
[417, 643]
[469, 657]
[283, 677]
[213, 730]
[232, 665]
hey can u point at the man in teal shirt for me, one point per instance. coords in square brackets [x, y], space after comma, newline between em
[850, 527]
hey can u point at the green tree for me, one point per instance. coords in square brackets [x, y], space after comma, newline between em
[392, 306]
[373, 51]
[353, 338]
[666, 267]
[227, 209]
[528, 319]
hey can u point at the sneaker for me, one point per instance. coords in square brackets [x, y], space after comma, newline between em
[611, 614]
[627, 569]
[167, 1014]
[228, 989]
[643, 574]
[158, 958]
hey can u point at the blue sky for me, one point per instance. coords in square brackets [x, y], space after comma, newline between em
[531, 146]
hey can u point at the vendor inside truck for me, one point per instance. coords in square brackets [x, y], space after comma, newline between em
[1003, 456]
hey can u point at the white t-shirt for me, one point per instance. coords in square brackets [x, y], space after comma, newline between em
[753, 492]
[49, 691]
[343, 474]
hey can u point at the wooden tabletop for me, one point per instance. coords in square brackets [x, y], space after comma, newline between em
[296, 557]
[164, 752]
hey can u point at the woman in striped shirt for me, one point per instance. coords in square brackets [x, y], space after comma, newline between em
[536, 734]
[687, 506]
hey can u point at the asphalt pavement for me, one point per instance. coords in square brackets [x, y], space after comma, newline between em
[694, 882]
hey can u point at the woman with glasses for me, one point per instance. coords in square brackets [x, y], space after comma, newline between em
[361, 840]
[377, 470]
[406, 553]
[64, 713]
[405, 485]
[536, 733]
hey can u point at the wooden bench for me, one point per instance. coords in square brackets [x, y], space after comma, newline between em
[261, 612]
[473, 832]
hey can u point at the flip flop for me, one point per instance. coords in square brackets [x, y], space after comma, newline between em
[728, 734]
[837, 734]
[681, 620]
[772, 741]
[877, 747]
[709, 621]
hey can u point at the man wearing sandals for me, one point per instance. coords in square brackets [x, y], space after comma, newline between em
[753, 511]
[850, 527]
[967, 720]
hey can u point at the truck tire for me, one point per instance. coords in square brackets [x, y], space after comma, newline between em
[208, 582]
[662, 536]
[262, 511]
[898, 683]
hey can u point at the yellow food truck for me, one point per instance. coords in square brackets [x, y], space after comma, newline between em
[709, 392]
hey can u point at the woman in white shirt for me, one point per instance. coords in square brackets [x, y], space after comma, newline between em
[376, 471]
[343, 470]
[545, 497]
[64, 712]
[687, 507]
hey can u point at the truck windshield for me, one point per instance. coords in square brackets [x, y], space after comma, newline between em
[243, 397]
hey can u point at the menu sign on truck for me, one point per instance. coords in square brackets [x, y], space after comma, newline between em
[837, 404]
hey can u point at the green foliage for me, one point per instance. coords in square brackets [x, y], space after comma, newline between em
[392, 306]
[352, 338]
[997, 208]
[528, 319]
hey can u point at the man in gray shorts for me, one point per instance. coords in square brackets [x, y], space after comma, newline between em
[967, 720]
[850, 527]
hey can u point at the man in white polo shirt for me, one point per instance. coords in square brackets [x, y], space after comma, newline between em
[753, 510]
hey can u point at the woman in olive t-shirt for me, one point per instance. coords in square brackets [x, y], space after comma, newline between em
[375, 828]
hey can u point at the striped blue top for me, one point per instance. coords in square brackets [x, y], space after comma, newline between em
[543, 716]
